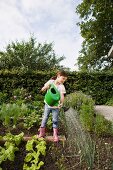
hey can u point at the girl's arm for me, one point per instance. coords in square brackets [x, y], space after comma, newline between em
[62, 99]
[44, 88]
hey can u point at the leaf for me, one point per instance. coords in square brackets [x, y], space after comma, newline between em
[29, 145]
[28, 157]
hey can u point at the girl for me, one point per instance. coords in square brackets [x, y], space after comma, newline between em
[57, 81]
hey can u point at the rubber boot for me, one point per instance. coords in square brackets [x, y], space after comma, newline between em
[42, 132]
[55, 135]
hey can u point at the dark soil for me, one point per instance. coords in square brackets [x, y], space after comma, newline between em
[59, 157]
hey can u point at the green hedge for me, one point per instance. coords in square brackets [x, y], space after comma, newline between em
[97, 84]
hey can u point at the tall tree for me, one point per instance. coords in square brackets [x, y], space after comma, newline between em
[30, 55]
[97, 30]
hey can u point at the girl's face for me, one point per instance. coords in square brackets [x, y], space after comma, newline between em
[61, 79]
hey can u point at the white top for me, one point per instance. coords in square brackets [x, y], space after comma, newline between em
[60, 87]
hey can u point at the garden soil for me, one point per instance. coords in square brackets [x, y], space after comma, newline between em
[58, 157]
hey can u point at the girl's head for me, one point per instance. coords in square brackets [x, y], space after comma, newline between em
[61, 77]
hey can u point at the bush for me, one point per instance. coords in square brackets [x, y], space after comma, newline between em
[87, 116]
[110, 102]
[77, 99]
[99, 85]
[103, 126]
[85, 107]
[3, 98]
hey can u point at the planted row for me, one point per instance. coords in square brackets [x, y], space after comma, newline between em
[35, 150]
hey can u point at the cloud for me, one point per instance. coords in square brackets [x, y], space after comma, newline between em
[49, 21]
[13, 24]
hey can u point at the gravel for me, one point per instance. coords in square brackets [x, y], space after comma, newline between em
[106, 111]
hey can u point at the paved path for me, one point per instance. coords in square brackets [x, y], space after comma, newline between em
[107, 111]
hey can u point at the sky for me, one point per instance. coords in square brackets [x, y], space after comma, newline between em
[50, 21]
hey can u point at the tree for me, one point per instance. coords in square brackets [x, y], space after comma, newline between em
[30, 55]
[97, 30]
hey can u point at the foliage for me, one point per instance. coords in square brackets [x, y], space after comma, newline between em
[29, 56]
[35, 149]
[14, 138]
[103, 126]
[89, 119]
[96, 84]
[3, 97]
[10, 147]
[85, 107]
[110, 102]
[12, 112]
[96, 29]
[77, 100]
[29, 114]
[79, 140]
[20, 93]
[31, 119]
[87, 116]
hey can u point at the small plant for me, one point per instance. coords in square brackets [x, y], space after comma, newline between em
[19, 93]
[12, 112]
[10, 147]
[31, 119]
[35, 149]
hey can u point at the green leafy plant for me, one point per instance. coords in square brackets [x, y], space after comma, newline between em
[19, 93]
[35, 149]
[87, 116]
[103, 126]
[3, 97]
[75, 100]
[110, 102]
[12, 112]
[16, 139]
[31, 119]
[7, 152]
[84, 104]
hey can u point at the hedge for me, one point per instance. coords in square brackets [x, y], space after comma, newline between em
[97, 84]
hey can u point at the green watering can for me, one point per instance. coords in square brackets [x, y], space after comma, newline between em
[52, 96]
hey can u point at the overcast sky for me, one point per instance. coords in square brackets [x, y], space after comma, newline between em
[49, 21]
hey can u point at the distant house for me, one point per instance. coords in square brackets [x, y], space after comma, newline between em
[110, 53]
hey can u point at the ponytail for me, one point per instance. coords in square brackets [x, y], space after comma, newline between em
[53, 78]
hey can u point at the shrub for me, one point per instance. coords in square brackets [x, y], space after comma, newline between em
[77, 99]
[85, 107]
[103, 126]
[3, 97]
[87, 116]
[110, 102]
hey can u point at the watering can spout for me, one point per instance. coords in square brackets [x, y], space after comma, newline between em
[65, 108]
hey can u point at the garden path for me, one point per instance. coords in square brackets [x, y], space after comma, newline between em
[106, 111]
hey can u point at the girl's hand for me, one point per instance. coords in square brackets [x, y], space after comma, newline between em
[56, 107]
[60, 105]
